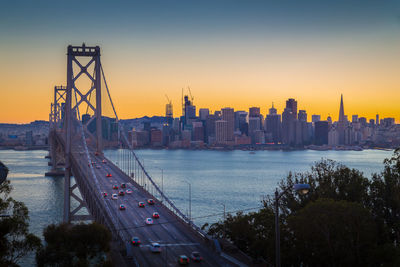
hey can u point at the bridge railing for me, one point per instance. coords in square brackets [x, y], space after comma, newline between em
[99, 207]
[143, 178]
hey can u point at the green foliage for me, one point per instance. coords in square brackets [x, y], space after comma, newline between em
[345, 220]
[339, 233]
[251, 232]
[74, 245]
[15, 239]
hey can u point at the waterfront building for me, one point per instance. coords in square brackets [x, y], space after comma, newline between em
[221, 128]
[187, 135]
[321, 132]
[228, 115]
[210, 127]
[288, 126]
[198, 131]
[241, 121]
[333, 137]
[259, 137]
[29, 138]
[156, 137]
[273, 125]
[242, 140]
[254, 125]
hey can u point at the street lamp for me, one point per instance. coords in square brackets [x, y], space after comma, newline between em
[302, 189]
[190, 201]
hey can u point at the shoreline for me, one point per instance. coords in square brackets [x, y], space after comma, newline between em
[221, 148]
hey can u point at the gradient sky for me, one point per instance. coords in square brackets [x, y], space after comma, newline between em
[231, 53]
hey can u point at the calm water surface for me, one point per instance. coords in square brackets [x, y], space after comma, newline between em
[236, 179]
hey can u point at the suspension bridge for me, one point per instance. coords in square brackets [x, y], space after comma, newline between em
[76, 137]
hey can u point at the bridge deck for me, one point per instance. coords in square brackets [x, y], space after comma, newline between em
[175, 237]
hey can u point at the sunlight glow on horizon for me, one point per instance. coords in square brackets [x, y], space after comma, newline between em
[148, 52]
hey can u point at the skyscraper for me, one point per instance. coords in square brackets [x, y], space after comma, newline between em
[221, 127]
[341, 111]
[203, 113]
[228, 115]
[341, 126]
[254, 125]
[272, 110]
[254, 112]
[315, 118]
[288, 126]
[273, 124]
[292, 104]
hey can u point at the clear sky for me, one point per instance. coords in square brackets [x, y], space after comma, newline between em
[231, 53]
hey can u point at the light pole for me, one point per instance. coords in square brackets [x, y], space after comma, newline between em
[190, 201]
[302, 189]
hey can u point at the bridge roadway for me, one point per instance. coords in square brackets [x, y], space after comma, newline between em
[175, 237]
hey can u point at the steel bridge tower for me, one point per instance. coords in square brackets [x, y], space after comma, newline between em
[76, 56]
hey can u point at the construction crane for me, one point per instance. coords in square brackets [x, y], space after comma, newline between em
[190, 93]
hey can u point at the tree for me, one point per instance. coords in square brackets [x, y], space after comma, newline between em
[252, 233]
[15, 239]
[336, 233]
[75, 245]
[385, 195]
[345, 220]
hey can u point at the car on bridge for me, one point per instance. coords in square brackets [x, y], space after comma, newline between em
[135, 241]
[108, 175]
[123, 185]
[156, 215]
[155, 248]
[149, 221]
[115, 187]
[129, 191]
[141, 204]
[104, 194]
[122, 207]
[196, 256]
[183, 260]
[150, 201]
[114, 196]
[121, 193]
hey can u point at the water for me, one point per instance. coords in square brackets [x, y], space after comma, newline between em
[236, 179]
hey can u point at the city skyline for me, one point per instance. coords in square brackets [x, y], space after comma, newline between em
[232, 54]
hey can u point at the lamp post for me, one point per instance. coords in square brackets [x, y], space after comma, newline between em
[302, 189]
[190, 201]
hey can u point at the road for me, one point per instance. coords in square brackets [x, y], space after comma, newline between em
[175, 237]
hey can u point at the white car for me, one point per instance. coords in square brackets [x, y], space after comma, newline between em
[155, 248]
[114, 196]
[149, 221]
[128, 191]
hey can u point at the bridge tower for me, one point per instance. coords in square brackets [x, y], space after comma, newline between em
[75, 98]
[56, 115]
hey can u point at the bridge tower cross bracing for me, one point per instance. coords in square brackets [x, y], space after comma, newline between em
[74, 57]
[56, 151]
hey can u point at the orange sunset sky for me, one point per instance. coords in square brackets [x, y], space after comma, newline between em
[231, 54]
